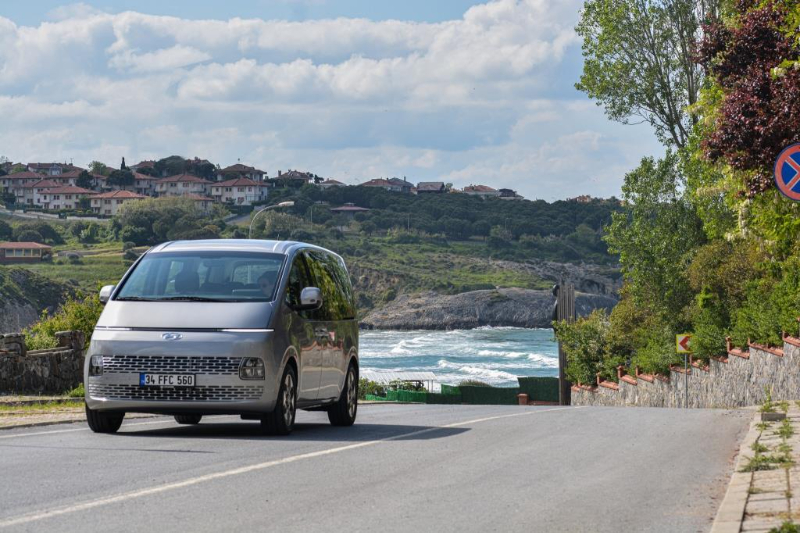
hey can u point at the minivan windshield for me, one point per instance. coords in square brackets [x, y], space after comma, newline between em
[204, 277]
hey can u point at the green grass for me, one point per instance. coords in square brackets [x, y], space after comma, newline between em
[40, 407]
[91, 273]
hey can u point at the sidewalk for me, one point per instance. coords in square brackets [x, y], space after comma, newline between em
[764, 492]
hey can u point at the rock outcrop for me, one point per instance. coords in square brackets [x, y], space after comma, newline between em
[500, 307]
[24, 295]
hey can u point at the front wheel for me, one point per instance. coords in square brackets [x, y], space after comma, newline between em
[188, 419]
[343, 412]
[281, 420]
[101, 422]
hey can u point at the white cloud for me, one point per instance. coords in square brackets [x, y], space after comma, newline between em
[352, 98]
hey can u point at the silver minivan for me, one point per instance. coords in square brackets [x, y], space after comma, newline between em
[246, 327]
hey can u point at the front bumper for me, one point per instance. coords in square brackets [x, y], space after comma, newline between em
[212, 357]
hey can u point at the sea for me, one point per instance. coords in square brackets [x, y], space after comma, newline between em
[493, 355]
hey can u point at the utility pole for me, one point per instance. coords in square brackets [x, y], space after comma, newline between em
[564, 310]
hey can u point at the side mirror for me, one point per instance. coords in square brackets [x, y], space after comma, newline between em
[105, 293]
[310, 299]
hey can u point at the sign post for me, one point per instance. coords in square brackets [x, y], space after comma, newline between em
[683, 345]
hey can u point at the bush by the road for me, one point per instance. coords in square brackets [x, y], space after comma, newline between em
[74, 315]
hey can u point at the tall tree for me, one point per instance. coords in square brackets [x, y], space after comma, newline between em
[639, 61]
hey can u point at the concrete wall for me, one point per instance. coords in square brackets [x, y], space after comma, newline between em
[735, 380]
[51, 371]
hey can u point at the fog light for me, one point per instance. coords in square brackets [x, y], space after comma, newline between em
[252, 368]
[96, 365]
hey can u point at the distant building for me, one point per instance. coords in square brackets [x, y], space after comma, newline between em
[48, 169]
[240, 171]
[484, 191]
[64, 197]
[393, 184]
[306, 177]
[582, 199]
[12, 181]
[328, 183]
[108, 203]
[431, 187]
[144, 184]
[142, 164]
[203, 203]
[31, 193]
[348, 210]
[181, 185]
[24, 252]
[239, 191]
[508, 194]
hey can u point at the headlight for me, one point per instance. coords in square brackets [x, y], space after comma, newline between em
[252, 368]
[96, 365]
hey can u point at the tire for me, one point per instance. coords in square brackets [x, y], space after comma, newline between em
[188, 419]
[281, 420]
[343, 412]
[101, 422]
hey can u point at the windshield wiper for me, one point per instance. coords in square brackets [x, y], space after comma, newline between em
[190, 299]
[134, 299]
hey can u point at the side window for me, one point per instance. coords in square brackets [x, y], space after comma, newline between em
[332, 279]
[298, 280]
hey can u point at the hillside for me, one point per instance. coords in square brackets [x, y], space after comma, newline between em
[24, 295]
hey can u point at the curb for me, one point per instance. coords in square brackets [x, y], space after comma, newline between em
[731, 511]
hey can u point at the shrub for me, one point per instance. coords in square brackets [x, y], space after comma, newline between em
[658, 351]
[74, 315]
[369, 387]
[585, 342]
[128, 245]
[29, 236]
[473, 383]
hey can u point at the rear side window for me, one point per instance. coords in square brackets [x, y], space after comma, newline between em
[298, 280]
[331, 278]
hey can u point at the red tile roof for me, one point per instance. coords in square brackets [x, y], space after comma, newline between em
[139, 176]
[377, 183]
[26, 175]
[238, 167]
[42, 184]
[23, 246]
[238, 182]
[118, 194]
[183, 178]
[69, 190]
[332, 182]
[479, 188]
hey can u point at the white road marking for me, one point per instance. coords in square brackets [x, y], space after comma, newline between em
[51, 513]
[125, 425]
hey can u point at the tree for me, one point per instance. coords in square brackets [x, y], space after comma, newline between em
[122, 165]
[172, 165]
[5, 231]
[120, 178]
[655, 235]
[84, 180]
[96, 167]
[639, 63]
[29, 235]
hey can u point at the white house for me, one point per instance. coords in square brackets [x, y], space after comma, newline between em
[238, 191]
[64, 197]
[31, 193]
[181, 185]
[108, 203]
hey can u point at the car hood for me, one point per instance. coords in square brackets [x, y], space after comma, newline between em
[186, 315]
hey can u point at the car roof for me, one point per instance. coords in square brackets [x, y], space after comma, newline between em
[235, 245]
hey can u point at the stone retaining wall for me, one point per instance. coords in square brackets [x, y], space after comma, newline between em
[738, 379]
[53, 371]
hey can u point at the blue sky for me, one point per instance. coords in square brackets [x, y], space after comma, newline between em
[463, 92]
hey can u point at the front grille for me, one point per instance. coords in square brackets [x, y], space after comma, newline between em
[177, 364]
[210, 393]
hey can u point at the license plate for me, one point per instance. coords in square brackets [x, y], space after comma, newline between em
[166, 380]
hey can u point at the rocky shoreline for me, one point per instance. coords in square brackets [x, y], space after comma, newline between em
[523, 308]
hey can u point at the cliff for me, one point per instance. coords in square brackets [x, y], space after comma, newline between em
[500, 307]
[24, 295]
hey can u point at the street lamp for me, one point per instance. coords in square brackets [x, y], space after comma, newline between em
[267, 208]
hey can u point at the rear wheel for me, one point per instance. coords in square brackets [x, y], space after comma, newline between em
[101, 422]
[281, 420]
[343, 412]
[188, 419]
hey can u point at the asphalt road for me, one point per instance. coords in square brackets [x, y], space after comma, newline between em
[400, 468]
